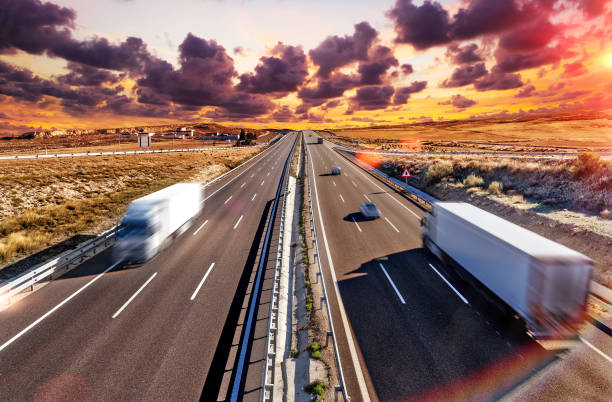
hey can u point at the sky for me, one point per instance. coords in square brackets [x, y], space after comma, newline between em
[68, 64]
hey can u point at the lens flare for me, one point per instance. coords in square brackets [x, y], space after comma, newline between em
[607, 60]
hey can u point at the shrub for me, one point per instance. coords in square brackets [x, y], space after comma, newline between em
[495, 187]
[316, 387]
[605, 214]
[586, 164]
[473, 181]
[308, 303]
[472, 190]
[438, 170]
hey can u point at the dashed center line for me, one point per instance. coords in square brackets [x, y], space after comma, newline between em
[342, 198]
[200, 228]
[354, 184]
[195, 293]
[392, 284]
[134, 295]
[238, 223]
[334, 183]
[451, 286]
[243, 184]
[226, 201]
[268, 174]
[252, 174]
[356, 224]
[255, 195]
[392, 225]
[262, 182]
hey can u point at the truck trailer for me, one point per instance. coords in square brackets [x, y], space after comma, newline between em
[151, 222]
[543, 282]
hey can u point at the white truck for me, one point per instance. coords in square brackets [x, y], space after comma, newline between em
[543, 282]
[152, 221]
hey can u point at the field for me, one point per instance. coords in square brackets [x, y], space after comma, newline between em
[554, 132]
[44, 202]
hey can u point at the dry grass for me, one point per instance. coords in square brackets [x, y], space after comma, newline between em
[43, 202]
[554, 182]
[439, 170]
[473, 181]
[495, 187]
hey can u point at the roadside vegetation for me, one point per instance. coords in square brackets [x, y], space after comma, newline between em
[43, 202]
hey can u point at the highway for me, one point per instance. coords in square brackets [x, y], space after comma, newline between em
[413, 329]
[151, 332]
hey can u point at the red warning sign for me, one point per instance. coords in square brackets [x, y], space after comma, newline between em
[406, 173]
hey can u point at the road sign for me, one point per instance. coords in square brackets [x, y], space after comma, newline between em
[406, 173]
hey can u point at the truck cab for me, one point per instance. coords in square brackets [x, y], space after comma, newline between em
[139, 235]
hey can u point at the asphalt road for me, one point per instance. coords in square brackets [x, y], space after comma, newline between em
[417, 331]
[147, 332]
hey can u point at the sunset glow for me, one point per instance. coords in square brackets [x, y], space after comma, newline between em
[67, 64]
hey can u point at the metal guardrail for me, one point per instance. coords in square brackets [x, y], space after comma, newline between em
[248, 328]
[55, 267]
[155, 151]
[425, 200]
[270, 361]
[342, 386]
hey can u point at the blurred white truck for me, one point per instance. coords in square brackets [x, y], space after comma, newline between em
[543, 282]
[152, 221]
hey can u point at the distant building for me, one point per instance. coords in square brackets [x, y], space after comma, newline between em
[144, 140]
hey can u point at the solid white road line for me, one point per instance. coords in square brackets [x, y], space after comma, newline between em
[356, 224]
[599, 352]
[351, 342]
[255, 195]
[262, 182]
[342, 198]
[238, 223]
[134, 295]
[367, 198]
[200, 228]
[243, 184]
[193, 296]
[392, 225]
[48, 313]
[451, 286]
[226, 201]
[392, 284]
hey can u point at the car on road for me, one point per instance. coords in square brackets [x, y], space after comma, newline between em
[336, 170]
[369, 210]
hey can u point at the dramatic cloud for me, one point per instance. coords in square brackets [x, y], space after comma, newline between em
[464, 55]
[81, 74]
[533, 36]
[421, 26]
[459, 101]
[465, 75]
[430, 24]
[204, 79]
[526, 92]
[336, 51]
[407, 69]
[372, 98]
[513, 62]
[498, 80]
[281, 73]
[371, 72]
[403, 93]
[574, 69]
